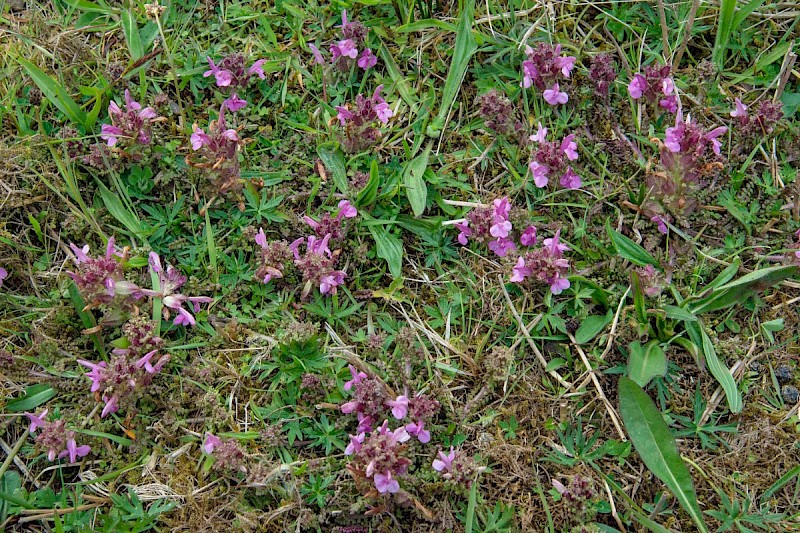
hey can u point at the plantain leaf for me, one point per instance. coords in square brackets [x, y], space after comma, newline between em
[627, 249]
[389, 248]
[35, 395]
[698, 335]
[131, 31]
[646, 362]
[743, 288]
[414, 179]
[333, 159]
[592, 326]
[656, 446]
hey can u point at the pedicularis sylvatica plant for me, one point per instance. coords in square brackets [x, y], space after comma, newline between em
[399, 266]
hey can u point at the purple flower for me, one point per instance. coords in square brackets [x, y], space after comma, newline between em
[417, 429]
[211, 442]
[502, 246]
[566, 64]
[3, 275]
[528, 237]
[144, 362]
[232, 103]
[132, 124]
[257, 68]
[520, 271]
[367, 59]
[570, 180]
[380, 106]
[386, 483]
[95, 374]
[358, 376]
[346, 210]
[673, 137]
[37, 421]
[74, 451]
[637, 86]
[529, 74]
[555, 96]
[356, 441]
[555, 247]
[662, 226]
[223, 77]
[345, 48]
[558, 284]
[712, 136]
[541, 134]
[111, 406]
[399, 407]
[444, 462]
[318, 59]
[670, 103]
[539, 172]
[199, 138]
[170, 280]
[464, 232]
[570, 147]
[740, 111]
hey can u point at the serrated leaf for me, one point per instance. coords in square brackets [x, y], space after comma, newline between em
[627, 249]
[55, 93]
[591, 327]
[656, 446]
[414, 179]
[333, 159]
[35, 395]
[646, 362]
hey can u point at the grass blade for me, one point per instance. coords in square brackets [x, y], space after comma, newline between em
[654, 443]
[463, 51]
[55, 92]
[727, 12]
[627, 249]
[131, 31]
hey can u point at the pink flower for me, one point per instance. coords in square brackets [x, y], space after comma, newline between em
[349, 407]
[357, 377]
[520, 271]
[343, 115]
[74, 451]
[199, 138]
[222, 76]
[673, 137]
[386, 483]
[211, 442]
[464, 232]
[444, 462]
[380, 106]
[570, 180]
[712, 136]
[3, 275]
[529, 74]
[501, 229]
[346, 210]
[502, 246]
[367, 59]
[555, 247]
[144, 362]
[741, 109]
[345, 48]
[570, 147]
[110, 133]
[637, 86]
[96, 373]
[356, 441]
[528, 237]
[318, 59]
[539, 172]
[417, 429]
[667, 86]
[110, 407]
[329, 282]
[555, 96]
[670, 103]
[36, 420]
[566, 64]
[541, 134]
[558, 284]
[399, 407]
[234, 103]
[257, 68]
[662, 226]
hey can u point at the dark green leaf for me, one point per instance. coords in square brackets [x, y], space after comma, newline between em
[646, 362]
[627, 249]
[333, 159]
[35, 395]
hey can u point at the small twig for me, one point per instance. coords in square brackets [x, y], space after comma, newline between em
[12, 454]
[613, 507]
[662, 17]
[687, 34]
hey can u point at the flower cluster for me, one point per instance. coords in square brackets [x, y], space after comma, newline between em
[359, 120]
[379, 457]
[651, 280]
[655, 85]
[131, 126]
[228, 453]
[345, 51]
[369, 399]
[602, 73]
[760, 124]
[418, 408]
[100, 279]
[553, 157]
[497, 112]
[232, 74]
[457, 468]
[169, 281]
[218, 150]
[317, 264]
[56, 438]
[489, 224]
[544, 66]
[546, 264]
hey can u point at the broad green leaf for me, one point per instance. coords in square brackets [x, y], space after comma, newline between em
[333, 159]
[465, 47]
[367, 195]
[414, 179]
[397, 77]
[656, 446]
[646, 362]
[389, 248]
[627, 249]
[131, 30]
[54, 92]
[721, 373]
[743, 288]
[725, 276]
[678, 313]
[35, 395]
[591, 327]
[128, 218]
